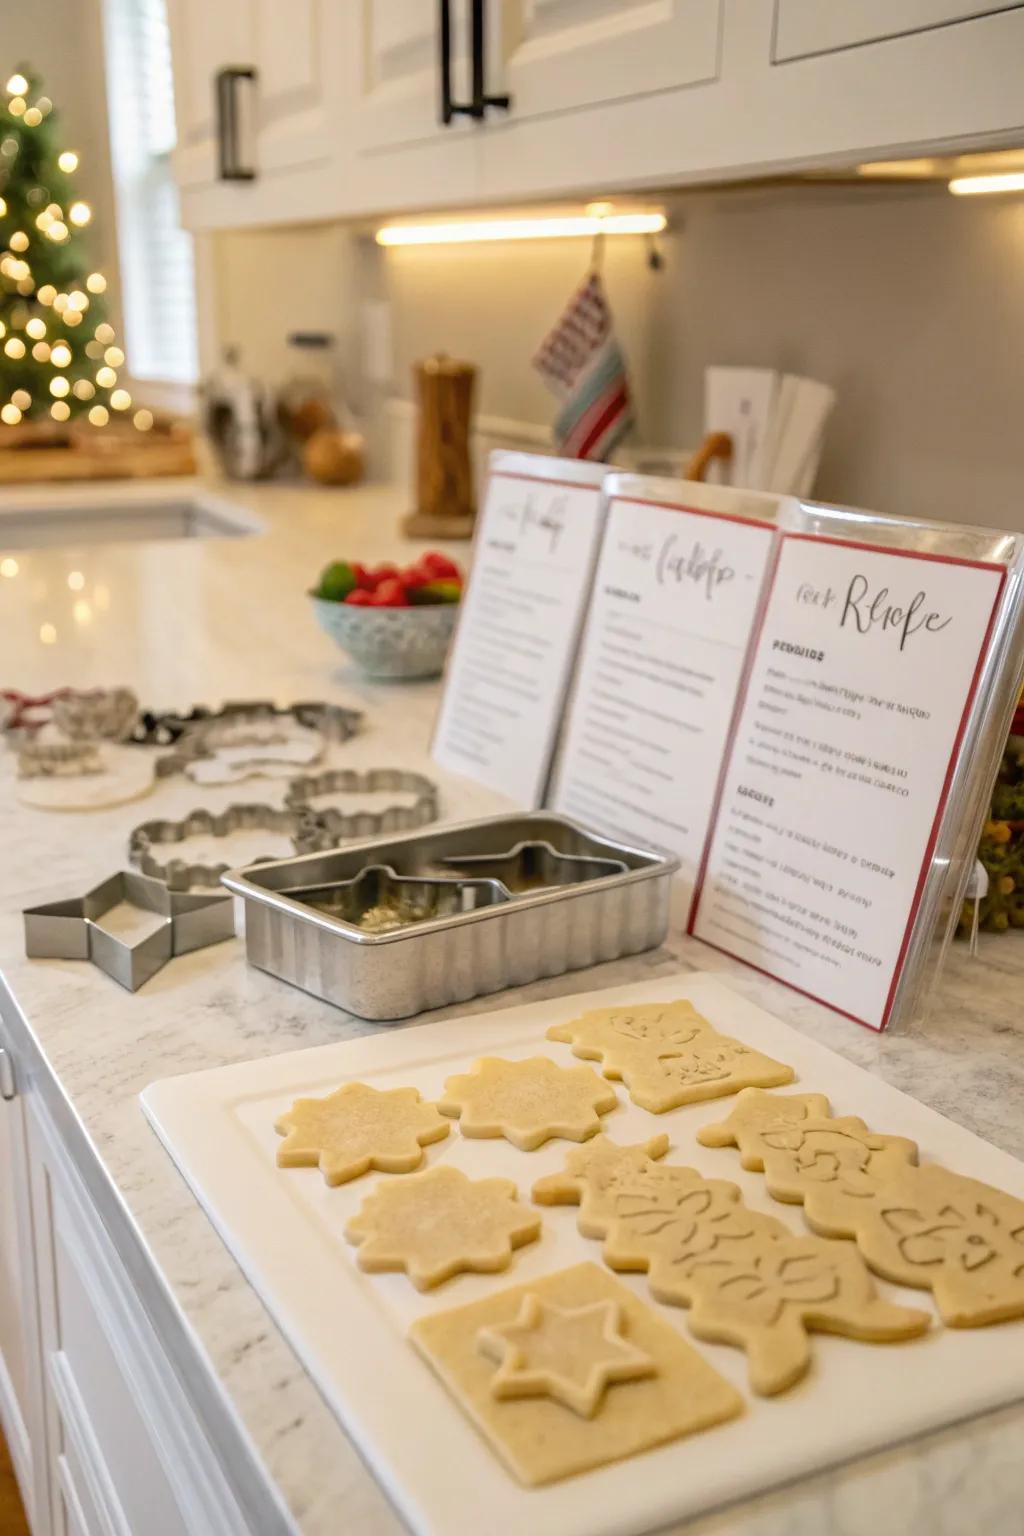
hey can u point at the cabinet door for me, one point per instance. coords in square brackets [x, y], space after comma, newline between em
[398, 46]
[293, 84]
[805, 27]
[555, 55]
[126, 1456]
[21, 1413]
[205, 38]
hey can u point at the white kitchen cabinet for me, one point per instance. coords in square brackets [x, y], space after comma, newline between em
[125, 1454]
[555, 56]
[293, 51]
[805, 27]
[204, 40]
[21, 1397]
[607, 96]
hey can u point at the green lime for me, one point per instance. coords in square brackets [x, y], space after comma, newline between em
[337, 580]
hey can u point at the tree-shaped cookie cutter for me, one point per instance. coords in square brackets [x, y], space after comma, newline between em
[379, 900]
[72, 930]
[534, 865]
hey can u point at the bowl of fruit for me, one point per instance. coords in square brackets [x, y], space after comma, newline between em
[392, 622]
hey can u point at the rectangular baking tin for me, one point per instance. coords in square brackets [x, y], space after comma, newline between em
[449, 960]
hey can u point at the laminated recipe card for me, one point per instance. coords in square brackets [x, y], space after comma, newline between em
[877, 700]
[675, 597]
[533, 559]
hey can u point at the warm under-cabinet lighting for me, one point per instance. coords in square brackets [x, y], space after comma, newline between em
[469, 231]
[972, 186]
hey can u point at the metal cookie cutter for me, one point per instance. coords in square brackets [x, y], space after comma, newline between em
[180, 875]
[100, 714]
[534, 866]
[334, 825]
[72, 930]
[157, 728]
[378, 900]
[58, 759]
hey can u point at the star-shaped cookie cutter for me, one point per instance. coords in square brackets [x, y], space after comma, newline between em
[72, 930]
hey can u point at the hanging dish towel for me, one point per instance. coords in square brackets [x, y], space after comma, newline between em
[581, 360]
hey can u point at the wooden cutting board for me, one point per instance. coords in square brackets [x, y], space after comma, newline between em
[285, 1230]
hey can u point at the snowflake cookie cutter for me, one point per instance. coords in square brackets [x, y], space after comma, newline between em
[73, 929]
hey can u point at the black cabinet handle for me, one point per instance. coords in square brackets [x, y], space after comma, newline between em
[229, 166]
[477, 107]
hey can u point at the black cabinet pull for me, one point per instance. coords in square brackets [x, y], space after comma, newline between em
[229, 166]
[477, 107]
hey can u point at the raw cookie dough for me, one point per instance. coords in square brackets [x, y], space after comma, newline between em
[357, 1128]
[668, 1054]
[937, 1230]
[570, 1354]
[439, 1223]
[527, 1102]
[807, 1155]
[539, 1438]
[748, 1280]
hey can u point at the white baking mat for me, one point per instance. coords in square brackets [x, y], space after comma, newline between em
[285, 1230]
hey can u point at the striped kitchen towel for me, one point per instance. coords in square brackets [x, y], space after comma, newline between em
[581, 360]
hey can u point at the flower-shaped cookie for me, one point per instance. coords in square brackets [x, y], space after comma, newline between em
[527, 1102]
[357, 1128]
[570, 1354]
[439, 1223]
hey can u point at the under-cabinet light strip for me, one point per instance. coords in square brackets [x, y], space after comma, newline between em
[468, 231]
[971, 186]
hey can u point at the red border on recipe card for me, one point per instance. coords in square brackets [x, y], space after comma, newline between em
[875, 549]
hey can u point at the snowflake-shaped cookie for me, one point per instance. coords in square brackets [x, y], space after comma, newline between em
[440, 1223]
[527, 1102]
[570, 1354]
[356, 1128]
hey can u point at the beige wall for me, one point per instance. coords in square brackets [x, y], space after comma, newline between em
[62, 42]
[910, 302]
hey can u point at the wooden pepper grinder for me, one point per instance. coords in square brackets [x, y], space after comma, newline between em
[445, 503]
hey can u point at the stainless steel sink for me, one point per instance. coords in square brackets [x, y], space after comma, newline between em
[38, 520]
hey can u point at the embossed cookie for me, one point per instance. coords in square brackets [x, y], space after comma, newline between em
[357, 1128]
[543, 1437]
[749, 1281]
[668, 1054]
[807, 1155]
[937, 1230]
[527, 1102]
[595, 1175]
[439, 1223]
[570, 1354]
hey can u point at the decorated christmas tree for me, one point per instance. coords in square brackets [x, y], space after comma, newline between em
[59, 357]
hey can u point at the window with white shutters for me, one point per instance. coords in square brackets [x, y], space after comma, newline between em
[157, 279]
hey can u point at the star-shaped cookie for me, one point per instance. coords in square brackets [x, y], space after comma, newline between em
[668, 1054]
[570, 1354]
[357, 1128]
[527, 1102]
[438, 1224]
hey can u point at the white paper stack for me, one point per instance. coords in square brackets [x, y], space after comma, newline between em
[777, 424]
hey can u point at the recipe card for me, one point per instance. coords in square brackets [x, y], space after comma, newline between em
[862, 678]
[674, 601]
[533, 561]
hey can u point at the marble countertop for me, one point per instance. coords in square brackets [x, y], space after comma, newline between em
[200, 620]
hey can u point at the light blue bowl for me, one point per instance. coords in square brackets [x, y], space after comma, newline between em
[390, 642]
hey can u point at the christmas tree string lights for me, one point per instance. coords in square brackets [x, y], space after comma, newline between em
[59, 359]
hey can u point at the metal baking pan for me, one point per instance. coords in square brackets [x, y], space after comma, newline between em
[539, 932]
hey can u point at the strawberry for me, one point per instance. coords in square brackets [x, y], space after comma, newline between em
[359, 597]
[390, 593]
[439, 566]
